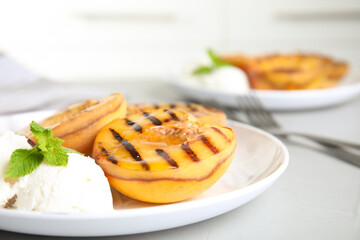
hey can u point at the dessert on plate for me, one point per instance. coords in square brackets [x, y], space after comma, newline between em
[289, 71]
[214, 74]
[155, 153]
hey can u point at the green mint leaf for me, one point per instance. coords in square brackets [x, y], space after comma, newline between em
[56, 157]
[222, 64]
[50, 147]
[216, 59]
[216, 63]
[69, 150]
[36, 128]
[202, 70]
[55, 154]
[23, 162]
[42, 135]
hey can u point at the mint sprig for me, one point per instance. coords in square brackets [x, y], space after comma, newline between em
[216, 63]
[48, 148]
[23, 162]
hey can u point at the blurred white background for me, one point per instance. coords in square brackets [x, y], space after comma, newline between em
[113, 40]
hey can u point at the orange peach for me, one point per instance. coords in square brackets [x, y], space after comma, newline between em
[78, 124]
[163, 156]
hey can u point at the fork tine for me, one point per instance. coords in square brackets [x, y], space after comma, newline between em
[230, 113]
[257, 114]
[246, 107]
[266, 114]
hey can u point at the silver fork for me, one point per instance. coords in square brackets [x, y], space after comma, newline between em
[260, 117]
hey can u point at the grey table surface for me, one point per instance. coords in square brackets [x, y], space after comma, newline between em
[318, 196]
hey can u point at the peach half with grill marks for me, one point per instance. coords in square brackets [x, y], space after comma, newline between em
[202, 113]
[78, 124]
[164, 156]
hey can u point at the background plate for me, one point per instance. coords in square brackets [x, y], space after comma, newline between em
[348, 89]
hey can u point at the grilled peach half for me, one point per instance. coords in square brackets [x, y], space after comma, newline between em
[78, 124]
[164, 156]
[290, 71]
[204, 114]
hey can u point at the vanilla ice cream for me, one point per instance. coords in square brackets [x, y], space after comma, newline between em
[79, 187]
[226, 78]
[9, 141]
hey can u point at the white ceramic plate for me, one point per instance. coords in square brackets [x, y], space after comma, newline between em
[349, 88]
[259, 160]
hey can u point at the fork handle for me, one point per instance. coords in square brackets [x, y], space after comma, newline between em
[323, 140]
[333, 147]
[345, 155]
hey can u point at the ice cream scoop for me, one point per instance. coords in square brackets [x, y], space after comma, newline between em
[227, 79]
[79, 187]
[9, 141]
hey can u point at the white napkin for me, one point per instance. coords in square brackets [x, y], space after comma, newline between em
[22, 90]
[14, 74]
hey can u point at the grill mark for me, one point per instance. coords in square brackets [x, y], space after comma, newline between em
[192, 108]
[94, 121]
[134, 125]
[156, 106]
[166, 156]
[187, 149]
[172, 105]
[109, 156]
[179, 179]
[206, 141]
[221, 133]
[153, 119]
[131, 149]
[172, 114]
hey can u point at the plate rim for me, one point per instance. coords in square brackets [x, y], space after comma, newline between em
[354, 86]
[274, 100]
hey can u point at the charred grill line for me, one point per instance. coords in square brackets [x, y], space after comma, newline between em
[206, 141]
[172, 114]
[187, 149]
[112, 110]
[130, 148]
[221, 133]
[166, 156]
[134, 125]
[156, 106]
[173, 105]
[197, 179]
[153, 119]
[109, 156]
[192, 108]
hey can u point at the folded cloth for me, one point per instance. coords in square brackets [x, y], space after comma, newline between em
[13, 73]
[22, 90]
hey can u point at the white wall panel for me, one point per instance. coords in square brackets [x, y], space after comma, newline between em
[75, 40]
